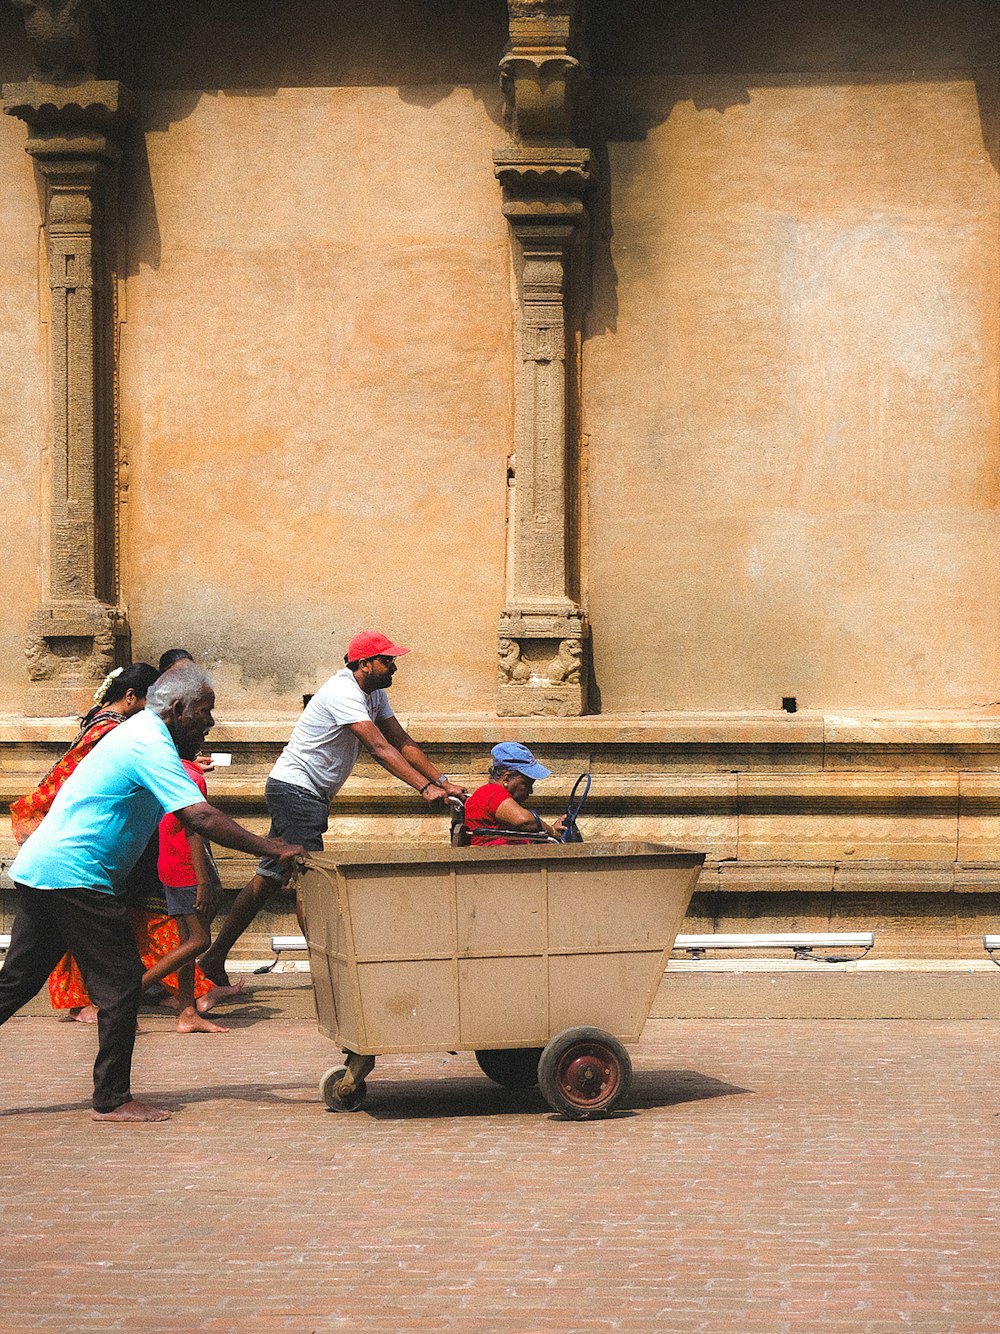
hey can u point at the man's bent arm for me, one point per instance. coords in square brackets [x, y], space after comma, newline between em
[211, 823]
[382, 750]
[397, 736]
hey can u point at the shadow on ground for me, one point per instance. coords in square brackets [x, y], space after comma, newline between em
[418, 1099]
[400, 1099]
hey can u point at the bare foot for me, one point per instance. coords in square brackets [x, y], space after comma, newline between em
[170, 1002]
[214, 972]
[190, 1021]
[83, 1014]
[212, 998]
[134, 1113]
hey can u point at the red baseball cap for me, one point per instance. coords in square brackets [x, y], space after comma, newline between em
[369, 644]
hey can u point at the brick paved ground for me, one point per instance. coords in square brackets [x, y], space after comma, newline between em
[772, 1176]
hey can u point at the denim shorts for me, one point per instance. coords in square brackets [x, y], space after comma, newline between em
[297, 816]
[180, 902]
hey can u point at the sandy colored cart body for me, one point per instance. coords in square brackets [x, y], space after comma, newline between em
[493, 950]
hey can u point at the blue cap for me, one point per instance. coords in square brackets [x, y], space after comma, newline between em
[512, 755]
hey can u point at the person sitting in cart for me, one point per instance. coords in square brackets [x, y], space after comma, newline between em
[348, 712]
[498, 804]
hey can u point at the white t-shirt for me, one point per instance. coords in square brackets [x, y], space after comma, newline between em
[322, 749]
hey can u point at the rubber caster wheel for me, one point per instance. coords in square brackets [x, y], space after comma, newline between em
[328, 1091]
[513, 1067]
[584, 1072]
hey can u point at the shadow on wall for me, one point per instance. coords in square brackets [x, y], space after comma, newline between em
[646, 57]
[255, 44]
[253, 48]
[707, 52]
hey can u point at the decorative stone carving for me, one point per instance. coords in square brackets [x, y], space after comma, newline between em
[539, 71]
[542, 659]
[544, 637]
[69, 650]
[79, 631]
[68, 37]
[565, 666]
[513, 669]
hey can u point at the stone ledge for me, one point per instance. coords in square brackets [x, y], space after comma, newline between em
[816, 967]
[973, 729]
[488, 729]
[887, 993]
[747, 792]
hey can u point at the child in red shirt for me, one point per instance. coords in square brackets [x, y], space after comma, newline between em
[189, 878]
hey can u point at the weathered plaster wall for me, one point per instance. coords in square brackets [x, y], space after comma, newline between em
[23, 400]
[789, 400]
[316, 382]
[791, 386]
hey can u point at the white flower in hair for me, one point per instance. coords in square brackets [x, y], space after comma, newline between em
[100, 694]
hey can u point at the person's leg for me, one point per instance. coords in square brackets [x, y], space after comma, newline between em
[156, 935]
[193, 930]
[96, 929]
[247, 905]
[36, 946]
[298, 816]
[208, 994]
[184, 953]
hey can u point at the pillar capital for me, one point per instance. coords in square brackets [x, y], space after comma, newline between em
[541, 69]
[68, 122]
[543, 186]
[69, 37]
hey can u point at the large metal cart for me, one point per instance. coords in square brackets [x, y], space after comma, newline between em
[543, 960]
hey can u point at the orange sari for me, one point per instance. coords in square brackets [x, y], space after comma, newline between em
[27, 813]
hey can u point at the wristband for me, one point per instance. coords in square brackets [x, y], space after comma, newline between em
[538, 821]
[430, 783]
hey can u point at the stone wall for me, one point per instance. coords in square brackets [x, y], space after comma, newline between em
[635, 363]
[791, 360]
[338, 317]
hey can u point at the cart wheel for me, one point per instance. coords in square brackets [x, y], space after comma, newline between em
[584, 1071]
[513, 1067]
[328, 1091]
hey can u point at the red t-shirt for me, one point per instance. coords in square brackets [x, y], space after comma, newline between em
[481, 809]
[174, 865]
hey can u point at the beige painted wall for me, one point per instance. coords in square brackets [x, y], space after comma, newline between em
[791, 395]
[316, 387]
[23, 409]
[790, 386]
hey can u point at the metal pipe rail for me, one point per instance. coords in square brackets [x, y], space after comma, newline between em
[803, 944]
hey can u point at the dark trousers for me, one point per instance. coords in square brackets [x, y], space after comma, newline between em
[95, 929]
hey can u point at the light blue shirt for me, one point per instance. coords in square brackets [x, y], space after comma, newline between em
[107, 810]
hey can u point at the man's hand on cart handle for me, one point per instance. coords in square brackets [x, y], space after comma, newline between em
[289, 853]
[434, 791]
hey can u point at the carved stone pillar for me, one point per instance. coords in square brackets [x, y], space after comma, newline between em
[75, 123]
[544, 636]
